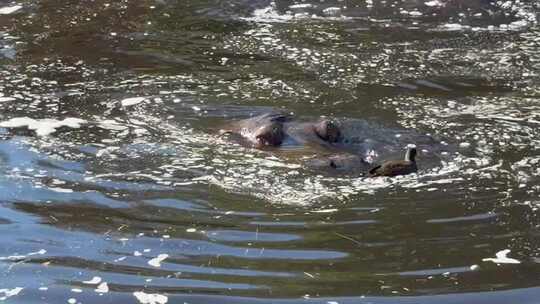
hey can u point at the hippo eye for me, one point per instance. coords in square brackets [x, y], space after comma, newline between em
[333, 164]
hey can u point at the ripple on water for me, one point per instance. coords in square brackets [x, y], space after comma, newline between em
[135, 198]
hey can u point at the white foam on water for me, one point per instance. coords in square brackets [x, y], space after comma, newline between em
[332, 11]
[8, 293]
[156, 262]
[6, 99]
[20, 257]
[120, 259]
[304, 5]
[7, 10]
[43, 127]
[93, 281]
[61, 190]
[102, 288]
[132, 101]
[39, 252]
[150, 298]
[501, 257]
[110, 124]
[455, 27]
[434, 3]
[526, 18]
[269, 14]
[325, 211]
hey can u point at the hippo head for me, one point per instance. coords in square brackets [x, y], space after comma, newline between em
[270, 134]
[327, 130]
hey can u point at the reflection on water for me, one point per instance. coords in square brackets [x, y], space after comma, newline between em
[116, 187]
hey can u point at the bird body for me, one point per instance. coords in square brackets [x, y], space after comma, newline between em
[397, 167]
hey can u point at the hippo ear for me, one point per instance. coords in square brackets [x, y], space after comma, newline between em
[274, 137]
[278, 118]
[327, 130]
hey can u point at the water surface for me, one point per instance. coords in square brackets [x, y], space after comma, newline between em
[117, 187]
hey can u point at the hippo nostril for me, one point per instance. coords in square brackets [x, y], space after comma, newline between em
[333, 164]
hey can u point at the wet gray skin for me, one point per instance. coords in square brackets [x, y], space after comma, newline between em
[274, 130]
[323, 133]
[321, 138]
[331, 146]
[259, 131]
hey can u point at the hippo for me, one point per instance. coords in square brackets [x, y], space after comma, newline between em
[321, 138]
[345, 146]
[274, 129]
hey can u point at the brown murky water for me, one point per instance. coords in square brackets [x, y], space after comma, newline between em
[116, 188]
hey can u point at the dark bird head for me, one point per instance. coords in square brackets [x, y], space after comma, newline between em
[410, 155]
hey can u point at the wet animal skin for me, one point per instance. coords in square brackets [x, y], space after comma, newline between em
[327, 130]
[269, 134]
[274, 130]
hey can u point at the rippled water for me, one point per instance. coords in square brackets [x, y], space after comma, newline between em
[115, 186]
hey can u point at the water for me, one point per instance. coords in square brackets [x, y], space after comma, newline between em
[140, 201]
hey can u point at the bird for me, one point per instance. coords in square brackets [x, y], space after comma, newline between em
[397, 167]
